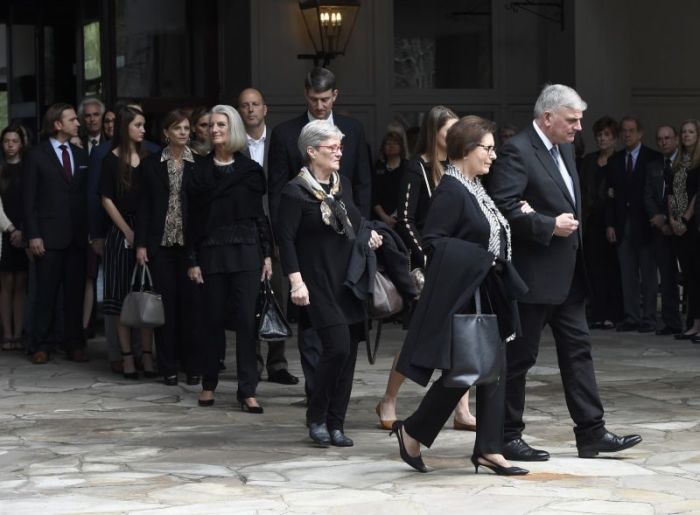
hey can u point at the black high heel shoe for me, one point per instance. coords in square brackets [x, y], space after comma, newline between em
[149, 374]
[497, 469]
[129, 375]
[251, 409]
[415, 462]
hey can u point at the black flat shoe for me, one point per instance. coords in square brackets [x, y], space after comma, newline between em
[339, 439]
[205, 403]
[170, 380]
[684, 336]
[519, 450]
[415, 462]
[282, 377]
[607, 442]
[319, 434]
[497, 469]
[193, 380]
[257, 410]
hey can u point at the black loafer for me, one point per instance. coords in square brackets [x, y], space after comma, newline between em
[170, 380]
[339, 439]
[626, 326]
[282, 377]
[607, 442]
[319, 434]
[193, 380]
[519, 450]
[683, 336]
[667, 331]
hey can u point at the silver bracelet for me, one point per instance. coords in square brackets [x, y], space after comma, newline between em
[297, 288]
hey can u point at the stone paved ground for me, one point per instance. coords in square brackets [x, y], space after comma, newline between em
[78, 439]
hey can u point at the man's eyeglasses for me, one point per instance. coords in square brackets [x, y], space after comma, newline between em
[332, 148]
[487, 148]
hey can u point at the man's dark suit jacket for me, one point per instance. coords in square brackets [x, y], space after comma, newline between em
[285, 161]
[153, 205]
[54, 208]
[525, 170]
[626, 195]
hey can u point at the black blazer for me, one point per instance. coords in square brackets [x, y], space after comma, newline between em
[153, 206]
[655, 193]
[525, 170]
[55, 209]
[285, 160]
[626, 195]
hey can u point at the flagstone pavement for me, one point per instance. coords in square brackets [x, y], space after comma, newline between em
[75, 438]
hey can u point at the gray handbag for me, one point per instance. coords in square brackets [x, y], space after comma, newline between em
[477, 349]
[386, 299]
[142, 308]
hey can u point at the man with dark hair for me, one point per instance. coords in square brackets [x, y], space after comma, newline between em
[55, 218]
[537, 166]
[628, 226]
[659, 174]
[252, 108]
[285, 162]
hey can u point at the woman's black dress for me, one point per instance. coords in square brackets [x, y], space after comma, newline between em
[13, 259]
[118, 260]
[385, 186]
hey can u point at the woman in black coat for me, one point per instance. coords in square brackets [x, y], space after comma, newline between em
[461, 212]
[229, 243]
[160, 242]
[316, 230]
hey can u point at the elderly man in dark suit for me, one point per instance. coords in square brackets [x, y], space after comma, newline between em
[537, 165]
[285, 162]
[55, 217]
[252, 108]
[629, 227]
[656, 206]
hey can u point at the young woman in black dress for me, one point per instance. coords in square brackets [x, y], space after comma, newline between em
[119, 189]
[386, 178]
[13, 262]
[418, 182]
[316, 232]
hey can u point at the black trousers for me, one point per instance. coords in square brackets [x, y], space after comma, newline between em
[174, 340]
[58, 269]
[330, 396]
[667, 264]
[310, 349]
[439, 403]
[568, 323]
[686, 248]
[276, 359]
[638, 274]
[237, 291]
[603, 270]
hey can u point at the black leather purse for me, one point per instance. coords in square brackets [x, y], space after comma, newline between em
[272, 325]
[477, 349]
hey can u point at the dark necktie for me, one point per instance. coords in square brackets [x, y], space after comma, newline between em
[554, 152]
[65, 158]
[630, 165]
[93, 144]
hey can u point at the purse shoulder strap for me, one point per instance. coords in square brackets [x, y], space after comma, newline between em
[372, 352]
[425, 178]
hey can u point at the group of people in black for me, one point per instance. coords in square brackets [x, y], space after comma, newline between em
[223, 204]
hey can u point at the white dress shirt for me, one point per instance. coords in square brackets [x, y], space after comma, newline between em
[565, 175]
[256, 147]
[59, 153]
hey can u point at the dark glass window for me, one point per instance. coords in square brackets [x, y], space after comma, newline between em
[443, 45]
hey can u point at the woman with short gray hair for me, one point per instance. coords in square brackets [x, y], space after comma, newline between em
[317, 225]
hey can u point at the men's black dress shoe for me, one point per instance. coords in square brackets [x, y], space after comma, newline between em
[282, 377]
[193, 379]
[647, 328]
[667, 331]
[695, 339]
[626, 326]
[339, 439]
[319, 434]
[608, 442]
[519, 450]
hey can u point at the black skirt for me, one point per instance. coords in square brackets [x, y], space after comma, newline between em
[118, 263]
[12, 259]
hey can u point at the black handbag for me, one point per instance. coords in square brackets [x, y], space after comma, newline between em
[477, 349]
[142, 308]
[272, 325]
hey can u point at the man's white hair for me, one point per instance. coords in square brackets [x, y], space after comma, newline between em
[556, 96]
